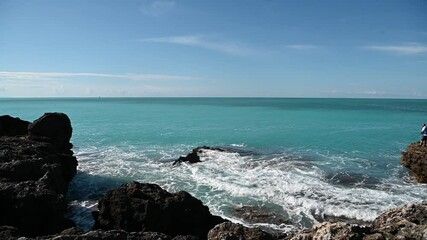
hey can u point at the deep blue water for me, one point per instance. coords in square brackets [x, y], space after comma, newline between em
[301, 157]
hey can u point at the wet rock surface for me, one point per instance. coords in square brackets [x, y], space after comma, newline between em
[147, 207]
[34, 177]
[194, 155]
[415, 158]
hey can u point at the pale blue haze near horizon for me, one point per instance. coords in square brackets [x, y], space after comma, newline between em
[164, 48]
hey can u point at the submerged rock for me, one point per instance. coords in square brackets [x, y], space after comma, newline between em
[234, 231]
[415, 158]
[34, 178]
[194, 156]
[147, 207]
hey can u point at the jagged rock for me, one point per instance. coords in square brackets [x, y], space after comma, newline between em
[194, 156]
[10, 126]
[147, 207]
[234, 231]
[331, 231]
[34, 177]
[415, 158]
[408, 222]
[255, 214]
[54, 126]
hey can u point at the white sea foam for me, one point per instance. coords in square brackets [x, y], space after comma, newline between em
[223, 180]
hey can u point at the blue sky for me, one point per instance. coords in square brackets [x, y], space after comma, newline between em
[201, 48]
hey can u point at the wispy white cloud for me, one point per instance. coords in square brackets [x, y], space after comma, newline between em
[67, 75]
[203, 42]
[407, 49]
[157, 8]
[302, 47]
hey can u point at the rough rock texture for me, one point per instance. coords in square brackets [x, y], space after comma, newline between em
[194, 156]
[147, 207]
[34, 177]
[56, 127]
[234, 231]
[255, 214]
[331, 231]
[408, 222]
[415, 158]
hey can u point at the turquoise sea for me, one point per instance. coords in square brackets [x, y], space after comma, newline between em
[303, 159]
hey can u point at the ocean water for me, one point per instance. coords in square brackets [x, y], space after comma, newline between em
[303, 159]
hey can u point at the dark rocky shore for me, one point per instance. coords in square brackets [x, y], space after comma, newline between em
[37, 164]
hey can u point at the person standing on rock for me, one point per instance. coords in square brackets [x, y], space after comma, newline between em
[423, 135]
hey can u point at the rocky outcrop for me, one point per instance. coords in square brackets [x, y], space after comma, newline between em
[330, 231]
[10, 126]
[407, 222]
[415, 158]
[232, 231]
[53, 127]
[34, 177]
[255, 214]
[147, 207]
[194, 156]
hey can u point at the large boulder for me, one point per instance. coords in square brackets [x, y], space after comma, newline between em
[415, 158]
[34, 178]
[407, 222]
[234, 231]
[56, 127]
[10, 126]
[147, 207]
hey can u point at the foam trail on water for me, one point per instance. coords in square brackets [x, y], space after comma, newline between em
[226, 179]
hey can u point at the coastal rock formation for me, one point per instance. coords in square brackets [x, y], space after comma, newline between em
[54, 127]
[255, 214]
[147, 207]
[336, 230]
[415, 158]
[194, 156]
[232, 231]
[10, 126]
[407, 222]
[34, 177]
